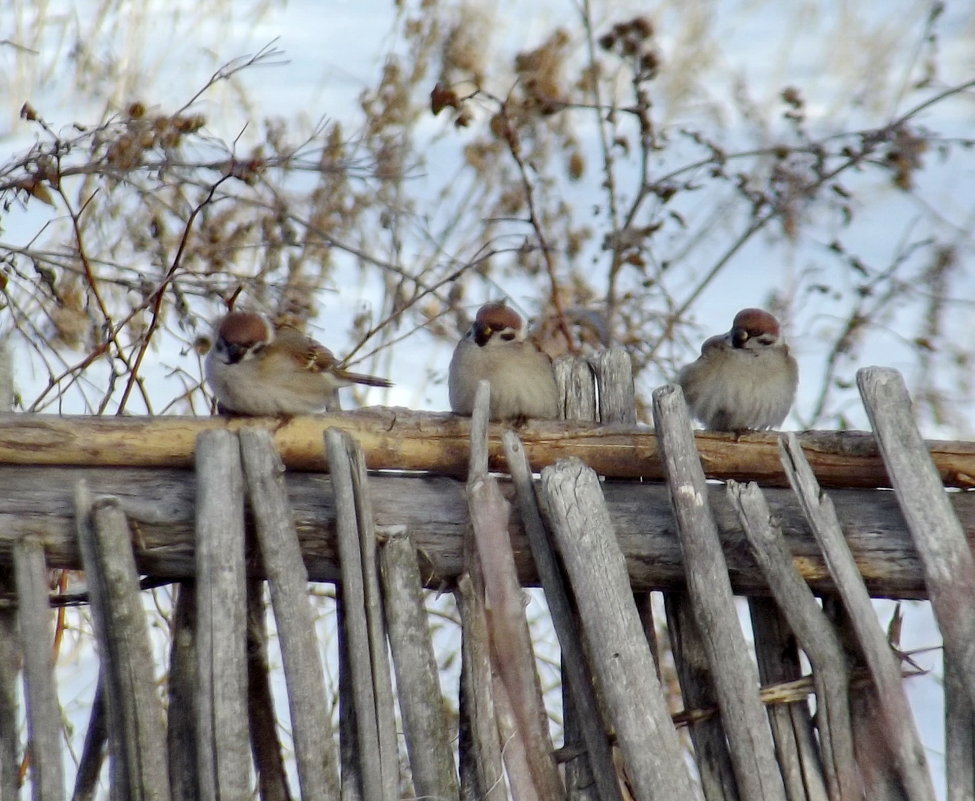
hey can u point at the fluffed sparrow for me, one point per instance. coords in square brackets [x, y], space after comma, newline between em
[257, 369]
[743, 380]
[521, 377]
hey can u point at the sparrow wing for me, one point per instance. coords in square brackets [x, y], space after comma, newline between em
[316, 358]
[362, 378]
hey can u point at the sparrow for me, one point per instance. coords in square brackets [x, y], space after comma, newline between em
[257, 369]
[521, 376]
[743, 380]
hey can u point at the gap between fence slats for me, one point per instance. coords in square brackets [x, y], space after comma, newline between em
[181, 725]
[93, 750]
[272, 779]
[9, 679]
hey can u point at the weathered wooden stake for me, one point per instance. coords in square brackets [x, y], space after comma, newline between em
[949, 565]
[735, 676]
[959, 737]
[223, 752]
[140, 768]
[481, 769]
[815, 635]
[586, 712]
[365, 637]
[910, 761]
[425, 724]
[40, 693]
[617, 647]
[287, 581]
[9, 678]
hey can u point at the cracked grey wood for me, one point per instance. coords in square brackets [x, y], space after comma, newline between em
[735, 675]
[135, 717]
[223, 751]
[160, 505]
[618, 648]
[378, 762]
[287, 578]
[425, 721]
[587, 714]
[40, 692]
[910, 761]
[946, 555]
[816, 636]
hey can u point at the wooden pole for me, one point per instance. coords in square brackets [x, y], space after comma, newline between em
[40, 691]
[618, 649]
[223, 751]
[135, 715]
[311, 724]
[394, 438]
[735, 676]
[161, 507]
[898, 723]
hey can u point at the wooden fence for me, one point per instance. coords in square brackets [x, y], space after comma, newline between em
[123, 501]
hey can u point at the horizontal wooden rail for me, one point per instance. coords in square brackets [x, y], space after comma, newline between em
[406, 440]
[160, 506]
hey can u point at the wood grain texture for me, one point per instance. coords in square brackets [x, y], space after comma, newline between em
[315, 755]
[160, 505]
[946, 556]
[586, 715]
[223, 750]
[909, 757]
[618, 651]
[426, 726]
[734, 673]
[34, 621]
[402, 439]
[814, 633]
[135, 714]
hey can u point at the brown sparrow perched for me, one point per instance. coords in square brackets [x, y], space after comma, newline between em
[743, 380]
[255, 368]
[521, 377]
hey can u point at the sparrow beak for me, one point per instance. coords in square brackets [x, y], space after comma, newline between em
[482, 332]
[234, 352]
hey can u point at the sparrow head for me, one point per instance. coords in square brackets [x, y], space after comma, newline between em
[496, 323]
[754, 329]
[242, 335]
